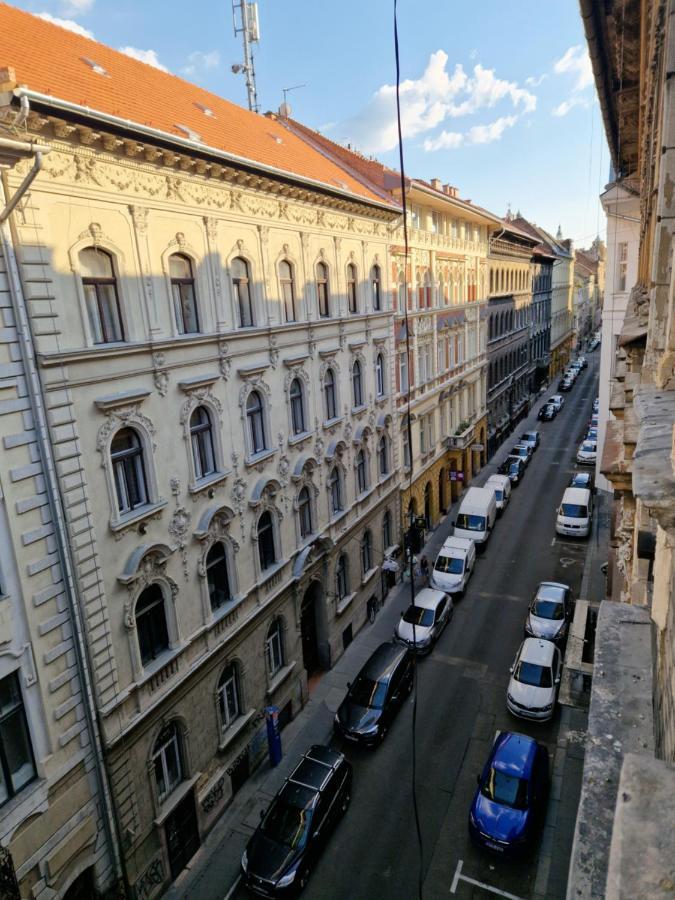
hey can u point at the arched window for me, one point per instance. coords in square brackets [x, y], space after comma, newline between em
[183, 293]
[351, 288]
[100, 292]
[217, 577]
[287, 281]
[357, 384]
[383, 455]
[305, 513]
[241, 288]
[201, 436]
[256, 422]
[229, 695]
[341, 577]
[379, 375]
[329, 394]
[151, 628]
[297, 407]
[375, 279]
[335, 491]
[366, 552]
[266, 549]
[361, 473]
[386, 530]
[126, 454]
[322, 289]
[274, 648]
[167, 759]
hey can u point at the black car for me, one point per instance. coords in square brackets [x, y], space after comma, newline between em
[514, 467]
[284, 847]
[548, 412]
[583, 480]
[376, 695]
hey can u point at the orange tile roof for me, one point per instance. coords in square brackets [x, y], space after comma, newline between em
[48, 59]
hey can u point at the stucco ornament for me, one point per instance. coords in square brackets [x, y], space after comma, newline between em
[160, 375]
[225, 361]
[178, 529]
[123, 415]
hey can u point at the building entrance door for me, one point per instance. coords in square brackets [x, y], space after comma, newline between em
[310, 641]
[182, 834]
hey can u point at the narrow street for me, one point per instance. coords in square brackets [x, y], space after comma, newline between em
[461, 704]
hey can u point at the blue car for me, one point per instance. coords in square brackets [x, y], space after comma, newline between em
[507, 813]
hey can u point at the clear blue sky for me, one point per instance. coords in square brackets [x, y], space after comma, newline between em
[498, 97]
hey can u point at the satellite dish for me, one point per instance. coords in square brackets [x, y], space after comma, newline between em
[285, 110]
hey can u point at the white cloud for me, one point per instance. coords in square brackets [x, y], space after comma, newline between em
[576, 62]
[563, 108]
[146, 56]
[67, 24]
[535, 82]
[200, 59]
[76, 7]
[428, 101]
[478, 134]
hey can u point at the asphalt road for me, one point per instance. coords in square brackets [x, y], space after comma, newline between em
[461, 694]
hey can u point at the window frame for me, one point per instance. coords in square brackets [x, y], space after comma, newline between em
[336, 491]
[237, 280]
[288, 291]
[342, 577]
[376, 287]
[274, 648]
[178, 303]
[352, 282]
[202, 442]
[305, 513]
[16, 711]
[380, 380]
[96, 324]
[322, 290]
[330, 372]
[175, 740]
[266, 560]
[366, 552]
[256, 425]
[297, 407]
[231, 675]
[156, 651]
[212, 588]
[126, 463]
[361, 468]
[383, 456]
[357, 381]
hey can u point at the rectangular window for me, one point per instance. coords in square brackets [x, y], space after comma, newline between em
[435, 222]
[423, 436]
[622, 256]
[415, 217]
[403, 372]
[455, 229]
[17, 767]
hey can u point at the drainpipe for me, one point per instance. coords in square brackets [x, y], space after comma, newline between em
[36, 396]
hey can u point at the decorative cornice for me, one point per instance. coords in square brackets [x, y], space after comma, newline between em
[123, 398]
[249, 371]
[292, 361]
[198, 381]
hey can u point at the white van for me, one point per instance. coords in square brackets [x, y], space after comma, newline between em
[476, 517]
[501, 485]
[575, 513]
[454, 565]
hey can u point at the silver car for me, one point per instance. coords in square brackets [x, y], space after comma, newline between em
[550, 612]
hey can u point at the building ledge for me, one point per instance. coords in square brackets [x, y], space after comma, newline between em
[642, 854]
[613, 461]
[620, 722]
[653, 463]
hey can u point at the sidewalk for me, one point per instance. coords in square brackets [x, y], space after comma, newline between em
[201, 880]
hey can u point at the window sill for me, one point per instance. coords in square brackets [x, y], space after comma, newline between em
[364, 495]
[279, 678]
[299, 438]
[332, 423]
[235, 730]
[336, 516]
[368, 575]
[343, 604]
[271, 571]
[357, 410]
[158, 663]
[137, 515]
[222, 612]
[260, 457]
[174, 798]
[210, 481]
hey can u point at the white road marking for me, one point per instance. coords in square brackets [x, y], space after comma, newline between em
[233, 888]
[553, 542]
[566, 561]
[486, 887]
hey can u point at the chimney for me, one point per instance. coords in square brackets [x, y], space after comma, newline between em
[450, 190]
[436, 184]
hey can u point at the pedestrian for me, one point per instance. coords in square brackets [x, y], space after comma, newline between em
[424, 569]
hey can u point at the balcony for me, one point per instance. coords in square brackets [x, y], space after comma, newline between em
[461, 440]
[441, 241]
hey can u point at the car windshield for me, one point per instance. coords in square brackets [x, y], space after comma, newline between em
[532, 673]
[469, 522]
[529, 436]
[499, 493]
[451, 565]
[574, 511]
[288, 824]
[366, 692]
[547, 609]
[417, 615]
[514, 468]
[519, 451]
[581, 481]
[506, 789]
[588, 446]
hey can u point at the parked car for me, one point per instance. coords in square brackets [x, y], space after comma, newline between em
[508, 809]
[559, 401]
[566, 384]
[535, 678]
[476, 517]
[594, 421]
[548, 412]
[501, 485]
[514, 468]
[550, 612]
[531, 438]
[575, 513]
[587, 452]
[285, 846]
[375, 695]
[524, 451]
[584, 362]
[592, 434]
[583, 480]
[596, 406]
[421, 625]
[454, 563]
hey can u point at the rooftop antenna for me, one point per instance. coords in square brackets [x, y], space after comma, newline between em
[245, 18]
[285, 108]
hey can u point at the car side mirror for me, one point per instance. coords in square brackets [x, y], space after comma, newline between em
[349, 684]
[511, 669]
[557, 679]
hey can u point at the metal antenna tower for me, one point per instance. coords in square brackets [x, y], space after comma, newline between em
[245, 18]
